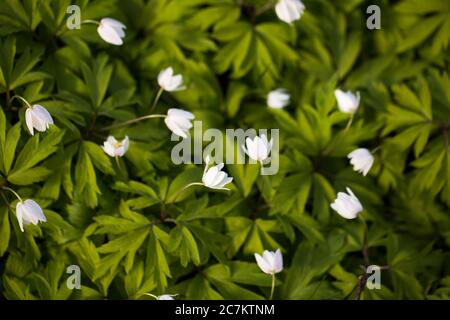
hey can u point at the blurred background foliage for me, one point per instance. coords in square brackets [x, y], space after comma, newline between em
[113, 221]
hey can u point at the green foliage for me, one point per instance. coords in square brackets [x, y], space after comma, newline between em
[129, 224]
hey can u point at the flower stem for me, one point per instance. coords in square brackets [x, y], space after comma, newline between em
[119, 167]
[365, 252]
[15, 193]
[90, 21]
[375, 149]
[265, 8]
[21, 98]
[273, 286]
[365, 248]
[158, 95]
[184, 188]
[151, 295]
[349, 123]
[118, 125]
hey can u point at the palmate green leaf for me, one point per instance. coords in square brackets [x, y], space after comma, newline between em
[182, 243]
[349, 55]
[129, 232]
[128, 244]
[97, 79]
[98, 157]
[14, 74]
[433, 171]
[16, 289]
[8, 144]
[12, 138]
[345, 281]
[220, 277]
[156, 261]
[238, 229]
[293, 193]
[212, 241]
[219, 14]
[132, 231]
[24, 171]
[8, 51]
[200, 289]
[35, 150]
[259, 238]
[235, 95]
[5, 230]
[50, 282]
[310, 261]
[129, 221]
[86, 188]
[135, 283]
[424, 20]
[28, 176]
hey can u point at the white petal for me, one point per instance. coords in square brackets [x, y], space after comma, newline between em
[38, 123]
[19, 215]
[173, 126]
[113, 22]
[109, 149]
[180, 113]
[210, 175]
[42, 113]
[109, 34]
[262, 264]
[270, 259]
[35, 210]
[29, 120]
[278, 263]
[164, 77]
[125, 144]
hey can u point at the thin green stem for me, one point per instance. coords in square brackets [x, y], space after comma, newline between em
[350, 121]
[118, 163]
[184, 188]
[90, 21]
[365, 248]
[158, 95]
[15, 193]
[268, 6]
[334, 145]
[273, 286]
[375, 149]
[122, 124]
[22, 99]
[151, 295]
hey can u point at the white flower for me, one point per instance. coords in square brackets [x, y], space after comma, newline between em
[347, 101]
[289, 10]
[170, 82]
[361, 159]
[38, 117]
[259, 148]
[166, 297]
[347, 205]
[111, 31]
[270, 262]
[278, 99]
[115, 148]
[179, 121]
[214, 177]
[29, 212]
